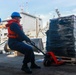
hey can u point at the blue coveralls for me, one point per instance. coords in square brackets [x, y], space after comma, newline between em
[18, 44]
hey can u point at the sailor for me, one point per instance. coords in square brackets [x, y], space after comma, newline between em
[16, 36]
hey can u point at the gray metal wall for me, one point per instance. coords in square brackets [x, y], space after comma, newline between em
[30, 22]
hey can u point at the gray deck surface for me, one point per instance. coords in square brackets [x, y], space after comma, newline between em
[10, 65]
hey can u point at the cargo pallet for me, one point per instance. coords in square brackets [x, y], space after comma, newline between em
[67, 60]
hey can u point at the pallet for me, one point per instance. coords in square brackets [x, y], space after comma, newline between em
[68, 60]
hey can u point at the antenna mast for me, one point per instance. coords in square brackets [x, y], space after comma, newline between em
[27, 7]
[58, 13]
[21, 8]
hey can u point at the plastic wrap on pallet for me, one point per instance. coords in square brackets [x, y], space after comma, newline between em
[57, 50]
[61, 36]
[53, 25]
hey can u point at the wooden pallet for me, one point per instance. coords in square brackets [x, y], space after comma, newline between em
[67, 59]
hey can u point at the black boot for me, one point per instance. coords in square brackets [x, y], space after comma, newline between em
[34, 66]
[26, 69]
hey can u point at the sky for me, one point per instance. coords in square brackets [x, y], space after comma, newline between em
[45, 9]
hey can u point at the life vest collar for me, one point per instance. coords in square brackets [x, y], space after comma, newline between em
[11, 21]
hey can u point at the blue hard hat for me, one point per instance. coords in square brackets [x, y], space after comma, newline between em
[15, 14]
[0, 19]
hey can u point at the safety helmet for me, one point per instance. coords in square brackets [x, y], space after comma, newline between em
[15, 14]
[0, 19]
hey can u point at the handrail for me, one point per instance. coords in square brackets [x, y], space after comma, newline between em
[3, 42]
